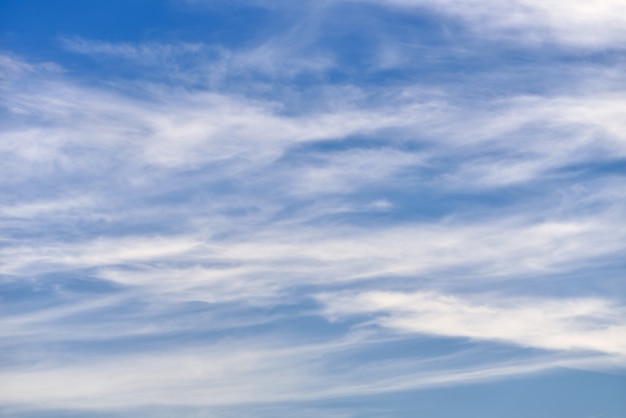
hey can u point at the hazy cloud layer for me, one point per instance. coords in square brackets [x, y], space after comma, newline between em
[212, 225]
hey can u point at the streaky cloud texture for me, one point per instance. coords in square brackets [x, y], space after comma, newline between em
[344, 208]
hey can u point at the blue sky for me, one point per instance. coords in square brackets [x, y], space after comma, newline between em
[337, 208]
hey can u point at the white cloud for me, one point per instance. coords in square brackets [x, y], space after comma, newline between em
[237, 373]
[553, 324]
[198, 63]
[145, 53]
[38, 209]
[346, 171]
[258, 179]
[50, 257]
[169, 129]
[71, 132]
[256, 267]
[497, 143]
[574, 23]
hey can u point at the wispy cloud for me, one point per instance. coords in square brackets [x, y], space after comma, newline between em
[267, 223]
[575, 23]
[558, 324]
[233, 374]
[145, 53]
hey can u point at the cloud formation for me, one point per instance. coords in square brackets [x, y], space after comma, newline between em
[575, 23]
[558, 324]
[185, 221]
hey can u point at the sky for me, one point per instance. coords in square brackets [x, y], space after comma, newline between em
[331, 208]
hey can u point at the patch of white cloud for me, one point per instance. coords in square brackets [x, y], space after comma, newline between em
[237, 373]
[590, 324]
[43, 208]
[145, 53]
[258, 267]
[344, 171]
[590, 25]
[572, 23]
[208, 64]
[50, 257]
